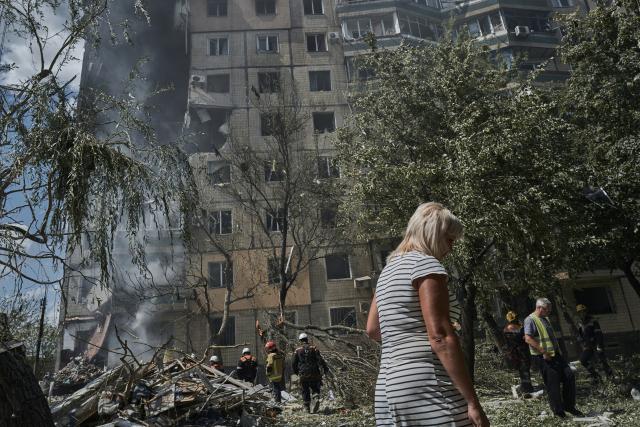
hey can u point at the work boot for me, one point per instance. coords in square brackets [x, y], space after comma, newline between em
[305, 409]
[316, 403]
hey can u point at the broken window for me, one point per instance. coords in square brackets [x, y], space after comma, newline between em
[316, 43]
[329, 215]
[312, 7]
[270, 125]
[274, 272]
[229, 337]
[217, 276]
[338, 267]
[496, 22]
[268, 82]
[535, 20]
[343, 316]
[323, 122]
[220, 222]
[218, 83]
[562, 3]
[598, 300]
[418, 27]
[319, 81]
[430, 3]
[327, 169]
[216, 7]
[275, 220]
[218, 173]
[273, 172]
[354, 29]
[264, 7]
[267, 44]
[218, 46]
[357, 71]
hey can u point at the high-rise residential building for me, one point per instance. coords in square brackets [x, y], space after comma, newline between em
[223, 54]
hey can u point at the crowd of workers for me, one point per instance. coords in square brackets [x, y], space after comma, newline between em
[306, 363]
[536, 342]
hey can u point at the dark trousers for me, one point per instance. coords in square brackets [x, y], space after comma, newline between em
[587, 355]
[554, 374]
[306, 395]
[277, 391]
[524, 368]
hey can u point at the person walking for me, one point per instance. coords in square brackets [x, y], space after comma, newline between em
[247, 366]
[547, 356]
[275, 367]
[215, 363]
[590, 334]
[423, 378]
[519, 352]
[306, 364]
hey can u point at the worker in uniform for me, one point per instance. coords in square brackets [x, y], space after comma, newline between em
[215, 363]
[247, 366]
[519, 351]
[590, 334]
[275, 367]
[306, 364]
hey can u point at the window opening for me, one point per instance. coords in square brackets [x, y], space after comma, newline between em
[327, 169]
[265, 7]
[268, 44]
[343, 316]
[323, 122]
[312, 7]
[218, 173]
[229, 337]
[275, 220]
[218, 83]
[219, 46]
[216, 7]
[418, 27]
[598, 300]
[220, 222]
[337, 267]
[217, 277]
[268, 82]
[319, 81]
[316, 43]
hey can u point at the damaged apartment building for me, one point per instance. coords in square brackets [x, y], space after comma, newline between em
[220, 53]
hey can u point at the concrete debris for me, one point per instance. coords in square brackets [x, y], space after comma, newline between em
[78, 373]
[183, 392]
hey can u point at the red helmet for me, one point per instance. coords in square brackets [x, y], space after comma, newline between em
[270, 346]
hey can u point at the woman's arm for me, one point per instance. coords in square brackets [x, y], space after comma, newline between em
[373, 322]
[434, 301]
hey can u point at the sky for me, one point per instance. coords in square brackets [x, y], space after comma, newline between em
[16, 51]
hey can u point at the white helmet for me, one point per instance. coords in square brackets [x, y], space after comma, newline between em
[193, 355]
[214, 359]
[246, 350]
[302, 336]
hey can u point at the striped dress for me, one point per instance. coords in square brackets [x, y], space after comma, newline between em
[413, 388]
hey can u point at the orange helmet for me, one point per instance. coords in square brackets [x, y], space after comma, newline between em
[270, 346]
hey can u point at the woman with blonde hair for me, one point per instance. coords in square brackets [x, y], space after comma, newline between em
[423, 377]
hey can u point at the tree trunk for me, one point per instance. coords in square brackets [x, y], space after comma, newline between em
[467, 297]
[572, 325]
[497, 336]
[633, 280]
[22, 402]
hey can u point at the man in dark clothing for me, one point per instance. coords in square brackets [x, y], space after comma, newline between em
[555, 371]
[247, 366]
[590, 334]
[519, 351]
[306, 364]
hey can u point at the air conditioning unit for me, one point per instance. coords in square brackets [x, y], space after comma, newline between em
[522, 31]
[334, 36]
[365, 307]
[198, 79]
[362, 282]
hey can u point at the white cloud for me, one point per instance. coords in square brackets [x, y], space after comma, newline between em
[16, 51]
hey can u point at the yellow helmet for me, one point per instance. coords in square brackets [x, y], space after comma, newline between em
[581, 307]
[511, 316]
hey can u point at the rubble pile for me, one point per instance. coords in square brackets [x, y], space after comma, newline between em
[180, 393]
[75, 375]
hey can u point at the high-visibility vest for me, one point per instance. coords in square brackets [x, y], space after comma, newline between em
[543, 339]
[275, 361]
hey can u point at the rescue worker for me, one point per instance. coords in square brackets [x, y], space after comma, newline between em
[306, 364]
[247, 366]
[275, 367]
[590, 334]
[546, 353]
[519, 352]
[215, 363]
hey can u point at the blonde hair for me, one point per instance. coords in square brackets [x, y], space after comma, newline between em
[426, 231]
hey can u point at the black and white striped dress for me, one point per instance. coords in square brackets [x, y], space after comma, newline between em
[413, 388]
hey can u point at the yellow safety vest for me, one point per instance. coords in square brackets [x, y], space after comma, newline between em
[275, 364]
[543, 339]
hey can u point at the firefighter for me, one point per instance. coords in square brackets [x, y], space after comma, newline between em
[215, 363]
[519, 352]
[247, 366]
[306, 363]
[590, 334]
[275, 367]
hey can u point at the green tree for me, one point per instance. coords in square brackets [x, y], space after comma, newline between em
[447, 122]
[602, 103]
